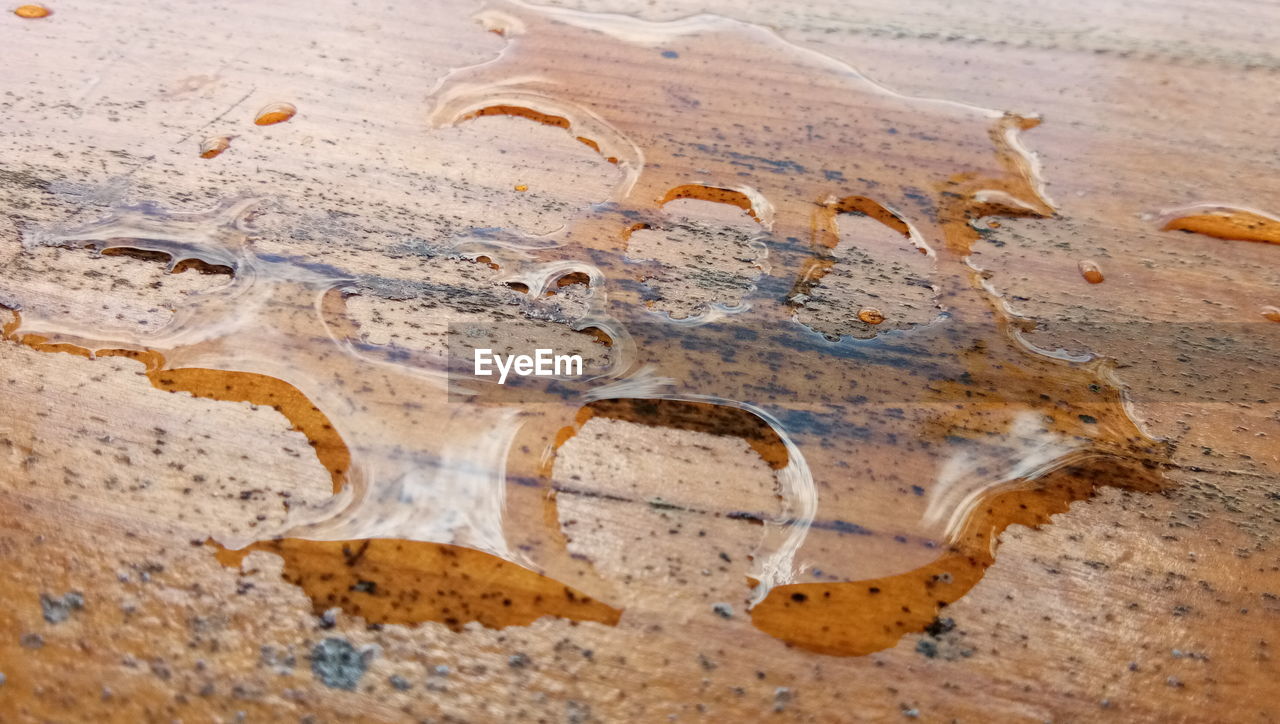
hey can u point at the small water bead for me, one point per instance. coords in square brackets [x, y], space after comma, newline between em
[1271, 313]
[871, 315]
[1091, 272]
[32, 12]
[274, 113]
[522, 187]
[214, 145]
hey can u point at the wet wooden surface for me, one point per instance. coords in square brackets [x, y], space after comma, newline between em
[1130, 605]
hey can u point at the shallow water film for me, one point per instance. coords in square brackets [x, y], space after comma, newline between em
[835, 343]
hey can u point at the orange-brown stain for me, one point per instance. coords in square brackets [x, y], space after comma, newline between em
[409, 582]
[712, 194]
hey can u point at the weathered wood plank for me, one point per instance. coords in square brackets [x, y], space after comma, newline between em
[1133, 605]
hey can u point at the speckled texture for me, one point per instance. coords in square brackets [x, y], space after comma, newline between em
[1130, 606]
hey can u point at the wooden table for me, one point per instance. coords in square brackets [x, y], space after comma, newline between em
[1141, 601]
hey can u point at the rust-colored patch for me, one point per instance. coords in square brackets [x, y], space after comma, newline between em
[409, 582]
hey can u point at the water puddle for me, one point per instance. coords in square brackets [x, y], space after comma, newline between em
[904, 419]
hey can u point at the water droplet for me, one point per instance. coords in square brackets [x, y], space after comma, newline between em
[870, 315]
[1091, 272]
[214, 145]
[32, 12]
[1271, 313]
[522, 187]
[1223, 222]
[274, 113]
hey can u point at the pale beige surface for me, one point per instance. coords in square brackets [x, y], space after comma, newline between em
[1130, 606]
